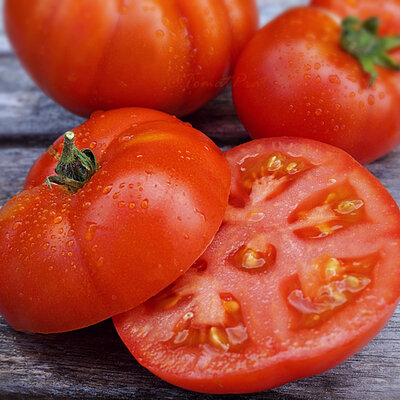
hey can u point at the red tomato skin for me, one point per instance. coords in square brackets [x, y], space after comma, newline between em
[294, 79]
[180, 56]
[72, 260]
[295, 363]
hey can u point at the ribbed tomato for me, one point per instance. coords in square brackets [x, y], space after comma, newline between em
[91, 55]
[302, 274]
[113, 232]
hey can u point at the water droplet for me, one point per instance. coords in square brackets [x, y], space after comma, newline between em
[318, 112]
[256, 216]
[107, 189]
[166, 22]
[90, 230]
[57, 220]
[371, 100]
[100, 261]
[334, 79]
[145, 204]
[17, 225]
[160, 33]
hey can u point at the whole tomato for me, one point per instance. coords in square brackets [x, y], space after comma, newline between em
[304, 75]
[122, 219]
[90, 55]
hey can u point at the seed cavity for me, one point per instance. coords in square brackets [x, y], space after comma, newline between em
[227, 332]
[258, 254]
[331, 284]
[264, 178]
[327, 212]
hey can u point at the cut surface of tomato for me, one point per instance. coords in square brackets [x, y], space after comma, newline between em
[303, 273]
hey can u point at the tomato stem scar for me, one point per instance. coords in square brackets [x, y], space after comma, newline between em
[75, 167]
[361, 40]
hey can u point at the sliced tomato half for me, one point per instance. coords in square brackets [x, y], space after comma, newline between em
[304, 272]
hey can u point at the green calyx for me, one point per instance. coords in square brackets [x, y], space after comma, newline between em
[361, 40]
[75, 167]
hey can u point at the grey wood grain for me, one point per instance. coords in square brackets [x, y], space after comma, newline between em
[93, 363]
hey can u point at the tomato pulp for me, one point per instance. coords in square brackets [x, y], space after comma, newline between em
[71, 259]
[91, 55]
[303, 273]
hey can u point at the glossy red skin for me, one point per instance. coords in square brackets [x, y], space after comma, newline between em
[300, 352]
[294, 79]
[72, 260]
[173, 55]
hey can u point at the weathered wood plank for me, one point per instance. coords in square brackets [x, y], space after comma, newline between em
[94, 364]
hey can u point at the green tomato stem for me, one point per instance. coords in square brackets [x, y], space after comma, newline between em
[361, 40]
[75, 167]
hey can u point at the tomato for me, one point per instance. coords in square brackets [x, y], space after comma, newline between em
[173, 55]
[387, 11]
[303, 273]
[295, 79]
[71, 258]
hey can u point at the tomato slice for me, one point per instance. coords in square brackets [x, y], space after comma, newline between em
[303, 273]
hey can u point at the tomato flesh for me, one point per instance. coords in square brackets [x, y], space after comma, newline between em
[276, 298]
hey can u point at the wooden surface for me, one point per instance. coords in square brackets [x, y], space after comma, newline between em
[93, 363]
